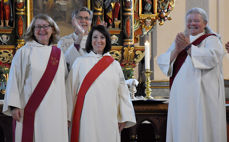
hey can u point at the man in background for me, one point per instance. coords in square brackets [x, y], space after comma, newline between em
[73, 45]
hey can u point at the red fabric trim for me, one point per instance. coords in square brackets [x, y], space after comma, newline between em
[77, 46]
[91, 76]
[38, 95]
[182, 56]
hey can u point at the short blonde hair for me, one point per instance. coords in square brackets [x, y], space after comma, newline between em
[29, 35]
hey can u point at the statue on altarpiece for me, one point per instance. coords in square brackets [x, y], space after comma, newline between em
[5, 12]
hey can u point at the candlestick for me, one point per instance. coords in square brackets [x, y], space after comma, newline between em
[147, 55]
[148, 90]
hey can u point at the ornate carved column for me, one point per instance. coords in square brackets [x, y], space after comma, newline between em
[20, 22]
[127, 22]
[128, 46]
[131, 54]
[98, 12]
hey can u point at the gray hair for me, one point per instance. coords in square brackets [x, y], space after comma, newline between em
[204, 16]
[75, 12]
[29, 35]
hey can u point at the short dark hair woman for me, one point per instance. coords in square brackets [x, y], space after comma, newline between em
[105, 33]
[106, 108]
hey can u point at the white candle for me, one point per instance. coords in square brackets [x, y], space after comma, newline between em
[147, 55]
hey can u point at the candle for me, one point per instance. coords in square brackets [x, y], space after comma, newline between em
[147, 55]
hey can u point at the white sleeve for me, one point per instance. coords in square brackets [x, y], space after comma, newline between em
[17, 75]
[72, 86]
[125, 107]
[163, 61]
[209, 55]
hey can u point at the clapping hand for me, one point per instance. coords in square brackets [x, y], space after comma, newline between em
[181, 41]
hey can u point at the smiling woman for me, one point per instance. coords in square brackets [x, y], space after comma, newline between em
[102, 91]
[197, 97]
[42, 31]
[36, 85]
[195, 23]
[98, 42]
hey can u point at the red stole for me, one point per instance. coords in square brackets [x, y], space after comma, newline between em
[182, 56]
[91, 76]
[77, 46]
[38, 95]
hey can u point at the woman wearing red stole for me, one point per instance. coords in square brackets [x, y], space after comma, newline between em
[102, 104]
[197, 99]
[35, 93]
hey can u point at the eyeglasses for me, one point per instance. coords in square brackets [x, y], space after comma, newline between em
[46, 27]
[81, 18]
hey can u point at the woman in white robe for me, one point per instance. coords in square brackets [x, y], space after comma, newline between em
[28, 66]
[107, 106]
[197, 98]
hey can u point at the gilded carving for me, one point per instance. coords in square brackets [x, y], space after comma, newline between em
[147, 12]
[116, 54]
[139, 56]
[114, 40]
[98, 5]
[127, 20]
[128, 54]
[21, 42]
[4, 38]
[164, 9]
[6, 56]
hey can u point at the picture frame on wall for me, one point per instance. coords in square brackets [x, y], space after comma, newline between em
[147, 8]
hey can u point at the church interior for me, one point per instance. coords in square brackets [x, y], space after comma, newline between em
[140, 31]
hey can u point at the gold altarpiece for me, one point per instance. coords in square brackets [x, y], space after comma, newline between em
[13, 23]
[127, 21]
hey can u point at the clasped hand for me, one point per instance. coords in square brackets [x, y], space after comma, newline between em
[181, 42]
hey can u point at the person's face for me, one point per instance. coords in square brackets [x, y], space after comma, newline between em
[98, 42]
[42, 31]
[84, 20]
[195, 24]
